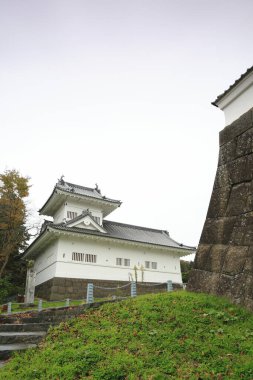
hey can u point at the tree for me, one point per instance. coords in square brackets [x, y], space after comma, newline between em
[186, 267]
[13, 233]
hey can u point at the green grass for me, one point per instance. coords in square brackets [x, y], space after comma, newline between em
[16, 308]
[177, 335]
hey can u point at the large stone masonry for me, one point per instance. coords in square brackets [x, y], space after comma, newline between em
[59, 288]
[224, 259]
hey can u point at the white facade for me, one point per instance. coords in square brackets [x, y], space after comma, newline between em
[57, 261]
[80, 244]
[75, 206]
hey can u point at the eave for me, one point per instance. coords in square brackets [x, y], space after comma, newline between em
[93, 236]
[239, 86]
[59, 196]
[39, 244]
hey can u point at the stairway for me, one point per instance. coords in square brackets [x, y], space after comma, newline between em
[25, 330]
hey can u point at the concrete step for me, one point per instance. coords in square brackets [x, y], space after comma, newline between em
[39, 318]
[30, 327]
[7, 349]
[21, 337]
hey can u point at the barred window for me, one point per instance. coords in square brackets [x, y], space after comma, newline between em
[90, 258]
[77, 256]
[126, 262]
[147, 264]
[154, 265]
[71, 214]
[118, 261]
[86, 257]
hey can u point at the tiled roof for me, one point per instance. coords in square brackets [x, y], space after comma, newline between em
[82, 190]
[129, 233]
[249, 70]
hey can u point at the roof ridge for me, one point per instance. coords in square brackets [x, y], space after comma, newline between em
[133, 225]
[80, 186]
[100, 198]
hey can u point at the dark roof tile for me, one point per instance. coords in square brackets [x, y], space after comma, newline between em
[82, 190]
[249, 70]
[128, 232]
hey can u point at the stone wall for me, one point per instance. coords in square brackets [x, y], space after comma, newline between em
[59, 288]
[224, 259]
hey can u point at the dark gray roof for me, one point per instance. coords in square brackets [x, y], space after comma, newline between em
[249, 70]
[128, 232]
[82, 190]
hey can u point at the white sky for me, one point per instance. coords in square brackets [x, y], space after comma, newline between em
[118, 92]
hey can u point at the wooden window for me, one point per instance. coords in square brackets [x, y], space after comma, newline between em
[154, 265]
[147, 264]
[118, 261]
[90, 258]
[71, 214]
[86, 257]
[77, 256]
[126, 262]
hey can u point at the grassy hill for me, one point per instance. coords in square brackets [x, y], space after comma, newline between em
[176, 335]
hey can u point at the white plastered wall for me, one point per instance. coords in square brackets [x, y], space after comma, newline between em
[168, 263]
[238, 101]
[77, 206]
[45, 264]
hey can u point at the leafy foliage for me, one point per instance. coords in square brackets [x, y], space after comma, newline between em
[13, 233]
[177, 335]
[5, 288]
[186, 267]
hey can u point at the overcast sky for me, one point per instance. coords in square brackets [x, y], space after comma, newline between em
[118, 93]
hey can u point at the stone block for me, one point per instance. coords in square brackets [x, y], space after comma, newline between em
[218, 202]
[235, 260]
[238, 199]
[222, 178]
[248, 265]
[244, 144]
[227, 152]
[211, 258]
[203, 256]
[243, 230]
[217, 257]
[237, 170]
[217, 231]
[203, 281]
[224, 283]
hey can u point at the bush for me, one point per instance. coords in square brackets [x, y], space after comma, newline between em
[5, 289]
